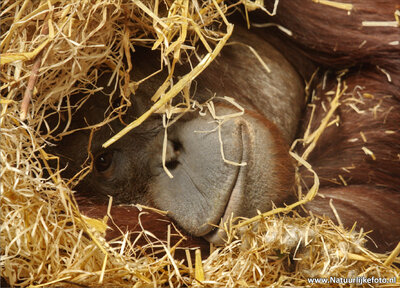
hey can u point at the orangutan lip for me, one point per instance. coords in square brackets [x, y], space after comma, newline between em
[233, 202]
[234, 196]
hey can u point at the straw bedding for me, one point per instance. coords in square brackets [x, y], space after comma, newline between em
[53, 49]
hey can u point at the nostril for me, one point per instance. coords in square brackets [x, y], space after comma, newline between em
[171, 165]
[177, 146]
[173, 150]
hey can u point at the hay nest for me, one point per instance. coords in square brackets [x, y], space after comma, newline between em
[53, 49]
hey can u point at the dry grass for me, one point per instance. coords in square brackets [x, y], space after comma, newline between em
[53, 49]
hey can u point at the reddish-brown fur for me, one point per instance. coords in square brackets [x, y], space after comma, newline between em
[333, 37]
[370, 193]
[125, 219]
[338, 37]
